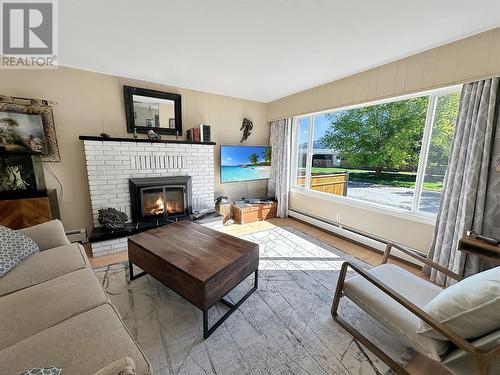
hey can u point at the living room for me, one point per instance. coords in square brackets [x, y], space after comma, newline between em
[329, 210]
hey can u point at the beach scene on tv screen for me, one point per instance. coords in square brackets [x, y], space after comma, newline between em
[245, 163]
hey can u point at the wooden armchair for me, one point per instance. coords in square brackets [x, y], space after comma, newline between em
[396, 298]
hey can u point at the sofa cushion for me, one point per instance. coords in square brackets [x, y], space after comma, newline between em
[392, 314]
[47, 235]
[44, 266]
[123, 366]
[81, 345]
[470, 307]
[14, 247]
[42, 306]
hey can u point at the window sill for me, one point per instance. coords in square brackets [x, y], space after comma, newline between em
[407, 215]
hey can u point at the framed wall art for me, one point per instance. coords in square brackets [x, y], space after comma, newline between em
[27, 127]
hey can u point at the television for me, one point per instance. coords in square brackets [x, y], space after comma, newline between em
[244, 163]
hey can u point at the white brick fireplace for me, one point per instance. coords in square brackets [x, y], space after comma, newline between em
[110, 165]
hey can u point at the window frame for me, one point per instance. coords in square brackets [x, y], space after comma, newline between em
[423, 156]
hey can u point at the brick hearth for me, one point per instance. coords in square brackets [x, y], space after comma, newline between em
[110, 164]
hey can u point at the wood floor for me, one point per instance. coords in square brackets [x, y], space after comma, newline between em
[419, 365]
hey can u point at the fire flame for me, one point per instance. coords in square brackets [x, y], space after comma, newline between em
[158, 206]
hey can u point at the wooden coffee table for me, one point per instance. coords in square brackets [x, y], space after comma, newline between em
[198, 263]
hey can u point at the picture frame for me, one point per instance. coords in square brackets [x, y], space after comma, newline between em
[49, 149]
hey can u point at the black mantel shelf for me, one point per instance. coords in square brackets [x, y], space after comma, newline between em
[140, 140]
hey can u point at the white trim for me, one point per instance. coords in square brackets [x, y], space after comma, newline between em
[294, 152]
[383, 209]
[289, 124]
[437, 92]
[424, 151]
[414, 214]
[339, 230]
[309, 152]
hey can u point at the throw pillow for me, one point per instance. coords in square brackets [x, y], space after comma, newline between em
[42, 371]
[14, 247]
[469, 308]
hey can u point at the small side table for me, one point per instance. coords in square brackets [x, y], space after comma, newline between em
[480, 248]
[245, 212]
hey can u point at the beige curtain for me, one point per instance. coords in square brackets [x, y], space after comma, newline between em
[278, 184]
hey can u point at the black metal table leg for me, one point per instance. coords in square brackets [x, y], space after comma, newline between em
[233, 307]
[131, 271]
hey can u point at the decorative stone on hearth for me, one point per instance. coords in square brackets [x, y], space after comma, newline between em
[111, 218]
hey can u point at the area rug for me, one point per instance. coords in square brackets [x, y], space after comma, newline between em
[285, 327]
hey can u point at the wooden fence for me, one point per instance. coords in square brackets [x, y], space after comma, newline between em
[335, 184]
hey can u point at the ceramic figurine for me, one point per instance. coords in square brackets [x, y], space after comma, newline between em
[247, 127]
[153, 136]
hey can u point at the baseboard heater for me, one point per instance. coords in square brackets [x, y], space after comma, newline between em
[366, 239]
[77, 235]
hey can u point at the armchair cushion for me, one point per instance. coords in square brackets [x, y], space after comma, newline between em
[462, 363]
[469, 308]
[390, 313]
[47, 235]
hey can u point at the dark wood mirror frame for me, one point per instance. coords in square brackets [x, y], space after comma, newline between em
[129, 91]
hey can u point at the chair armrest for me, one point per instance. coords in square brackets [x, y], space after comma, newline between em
[122, 366]
[434, 323]
[47, 235]
[420, 258]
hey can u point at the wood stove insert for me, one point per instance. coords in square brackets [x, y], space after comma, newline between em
[159, 198]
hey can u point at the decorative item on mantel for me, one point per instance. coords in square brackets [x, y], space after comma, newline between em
[247, 127]
[199, 134]
[153, 136]
[111, 218]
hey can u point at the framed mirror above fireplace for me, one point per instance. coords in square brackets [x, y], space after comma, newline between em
[152, 110]
[159, 198]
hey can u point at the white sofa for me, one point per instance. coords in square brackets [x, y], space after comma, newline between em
[54, 312]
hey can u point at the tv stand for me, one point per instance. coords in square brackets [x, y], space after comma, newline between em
[250, 210]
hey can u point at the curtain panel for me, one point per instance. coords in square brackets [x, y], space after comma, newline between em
[471, 194]
[278, 184]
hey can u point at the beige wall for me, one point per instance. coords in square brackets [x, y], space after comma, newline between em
[90, 103]
[465, 60]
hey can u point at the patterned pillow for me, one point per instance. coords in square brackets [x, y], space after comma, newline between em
[41, 371]
[14, 247]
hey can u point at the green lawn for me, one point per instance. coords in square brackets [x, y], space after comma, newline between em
[397, 179]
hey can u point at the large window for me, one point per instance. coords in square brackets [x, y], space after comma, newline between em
[392, 153]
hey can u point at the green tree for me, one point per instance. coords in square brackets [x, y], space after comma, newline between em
[382, 136]
[7, 133]
[254, 158]
[267, 155]
[445, 119]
